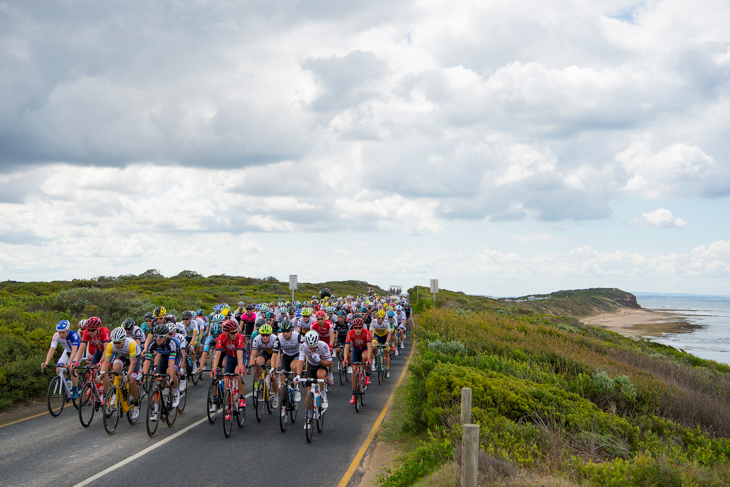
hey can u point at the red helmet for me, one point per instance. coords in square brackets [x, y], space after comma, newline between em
[358, 322]
[320, 314]
[229, 325]
[93, 323]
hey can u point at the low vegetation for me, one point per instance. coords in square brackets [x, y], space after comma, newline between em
[29, 312]
[560, 403]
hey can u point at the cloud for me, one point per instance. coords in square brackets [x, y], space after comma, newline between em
[658, 218]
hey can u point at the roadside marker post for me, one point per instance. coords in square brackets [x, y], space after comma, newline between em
[292, 285]
[465, 405]
[470, 455]
[434, 288]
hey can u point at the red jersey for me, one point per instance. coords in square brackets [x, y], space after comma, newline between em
[359, 342]
[97, 342]
[324, 331]
[228, 346]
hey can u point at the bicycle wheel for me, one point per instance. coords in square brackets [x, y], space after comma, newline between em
[342, 371]
[308, 430]
[212, 401]
[183, 401]
[86, 404]
[320, 415]
[362, 391]
[379, 367]
[260, 400]
[294, 411]
[195, 378]
[170, 411]
[240, 416]
[55, 396]
[227, 414]
[269, 399]
[154, 411]
[283, 409]
[111, 409]
[133, 411]
[357, 392]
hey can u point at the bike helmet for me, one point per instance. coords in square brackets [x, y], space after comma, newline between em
[225, 306]
[171, 318]
[391, 313]
[398, 308]
[265, 330]
[270, 315]
[217, 308]
[118, 334]
[160, 312]
[225, 312]
[298, 313]
[285, 325]
[320, 314]
[381, 313]
[93, 323]
[307, 312]
[171, 327]
[82, 325]
[311, 338]
[187, 315]
[363, 310]
[149, 316]
[128, 324]
[356, 316]
[218, 318]
[63, 325]
[307, 304]
[342, 312]
[215, 329]
[358, 322]
[160, 330]
[200, 312]
[241, 304]
[249, 307]
[229, 326]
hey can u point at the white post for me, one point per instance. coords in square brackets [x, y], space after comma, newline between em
[470, 455]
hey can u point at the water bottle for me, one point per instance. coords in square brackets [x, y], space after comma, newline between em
[67, 385]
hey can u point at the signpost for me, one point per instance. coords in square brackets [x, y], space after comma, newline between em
[434, 288]
[292, 285]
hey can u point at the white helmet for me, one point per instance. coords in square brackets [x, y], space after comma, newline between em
[171, 327]
[311, 338]
[118, 334]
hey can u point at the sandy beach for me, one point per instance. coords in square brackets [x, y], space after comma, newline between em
[642, 322]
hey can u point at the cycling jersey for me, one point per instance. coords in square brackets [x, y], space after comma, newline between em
[170, 347]
[288, 347]
[380, 329]
[305, 325]
[129, 349]
[181, 340]
[71, 340]
[323, 330]
[322, 349]
[341, 328]
[137, 334]
[356, 341]
[258, 344]
[96, 344]
[224, 344]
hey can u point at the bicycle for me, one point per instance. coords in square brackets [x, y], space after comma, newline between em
[380, 364]
[116, 403]
[359, 385]
[314, 409]
[90, 397]
[59, 391]
[341, 369]
[215, 397]
[230, 403]
[189, 371]
[262, 393]
[288, 403]
[160, 404]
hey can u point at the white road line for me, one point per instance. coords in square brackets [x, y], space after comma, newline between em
[143, 452]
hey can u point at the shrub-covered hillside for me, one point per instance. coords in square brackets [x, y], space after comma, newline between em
[29, 312]
[559, 400]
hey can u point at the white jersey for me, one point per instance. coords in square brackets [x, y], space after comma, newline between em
[322, 349]
[258, 344]
[288, 347]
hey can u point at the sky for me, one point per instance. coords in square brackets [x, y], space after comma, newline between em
[504, 148]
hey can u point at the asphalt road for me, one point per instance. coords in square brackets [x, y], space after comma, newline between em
[47, 451]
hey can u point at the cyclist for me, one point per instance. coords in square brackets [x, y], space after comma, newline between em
[381, 332]
[326, 332]
[306, 321]
[122, 351]
[134, 332]
[96, 337]
[214, 330]
[318, 359]
[148, 324]
[70, 341]
[167, 360]
[262, 350]
[393, 322]
[231, 343]
[286, 355]
[192, 333]
[159, 319]
[341, 328]
[247, 320]
[400, 316]
[358, 348]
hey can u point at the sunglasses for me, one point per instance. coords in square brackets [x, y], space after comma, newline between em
[160, 336]
[357, 327]
[118, 343]
[265, 334]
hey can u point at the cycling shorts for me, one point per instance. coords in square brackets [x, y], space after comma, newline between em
[382, 339]
[231, 364]
[63, 359]
[164, 359]
[312, 370]
[286, 361]
[125, 363]
[357, 354]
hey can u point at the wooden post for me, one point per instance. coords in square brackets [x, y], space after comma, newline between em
[465, 405]
[470, 455]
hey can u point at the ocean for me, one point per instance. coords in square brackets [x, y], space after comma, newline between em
[712, 341]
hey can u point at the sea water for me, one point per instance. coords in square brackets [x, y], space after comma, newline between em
[712, 341]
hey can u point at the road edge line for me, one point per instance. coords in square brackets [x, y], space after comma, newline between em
[25, 419]
[366, 444]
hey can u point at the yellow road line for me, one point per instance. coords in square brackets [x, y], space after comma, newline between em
[356, 461]
[29, 417]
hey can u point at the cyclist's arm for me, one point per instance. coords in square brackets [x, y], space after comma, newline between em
[80, 354]
[51, 351]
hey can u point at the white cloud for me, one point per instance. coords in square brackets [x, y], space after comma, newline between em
[658, 218]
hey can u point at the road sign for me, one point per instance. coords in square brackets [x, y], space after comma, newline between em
[292, 281]
[434, 286]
